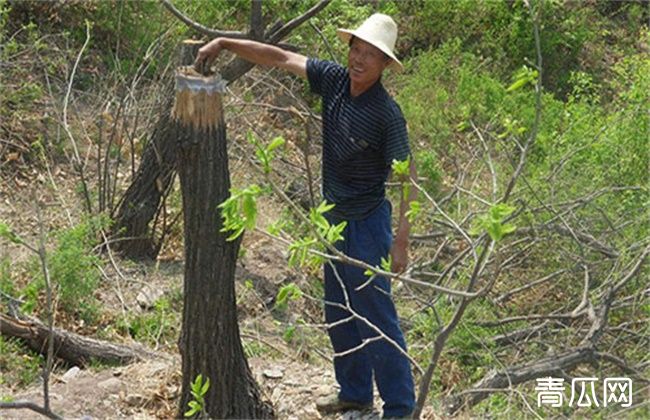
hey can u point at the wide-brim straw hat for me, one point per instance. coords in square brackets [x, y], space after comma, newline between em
[379, 30]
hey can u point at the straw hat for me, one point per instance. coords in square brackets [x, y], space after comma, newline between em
[380, 31]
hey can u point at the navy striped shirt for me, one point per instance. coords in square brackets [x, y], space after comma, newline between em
[361, 137]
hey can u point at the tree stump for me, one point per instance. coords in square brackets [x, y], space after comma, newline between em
[210, 344]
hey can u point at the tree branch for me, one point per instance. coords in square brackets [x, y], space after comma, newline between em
[294, 23]
[200, 28]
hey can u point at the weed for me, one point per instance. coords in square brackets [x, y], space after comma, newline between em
[20, 367]
[154, 328]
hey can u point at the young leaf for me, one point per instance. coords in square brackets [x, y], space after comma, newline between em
[205, 387]
[275, 143]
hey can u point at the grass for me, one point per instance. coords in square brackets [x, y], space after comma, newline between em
[20, 366]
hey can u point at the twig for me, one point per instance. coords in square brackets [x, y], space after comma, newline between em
[66, 128]
[50, 309]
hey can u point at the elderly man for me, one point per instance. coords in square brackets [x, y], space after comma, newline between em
[363, 133]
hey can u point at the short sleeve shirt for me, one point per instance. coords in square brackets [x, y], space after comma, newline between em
[362, 136]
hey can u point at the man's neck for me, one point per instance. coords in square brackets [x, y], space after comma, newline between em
[357, 89]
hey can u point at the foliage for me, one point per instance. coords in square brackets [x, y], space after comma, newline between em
[494, 222]
[73, 269]
[287, 293]
[20, 367]
[198, 390]
[156, 327]
[239, 211]
[300, 250]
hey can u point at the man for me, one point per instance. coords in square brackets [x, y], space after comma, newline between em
[363, 133]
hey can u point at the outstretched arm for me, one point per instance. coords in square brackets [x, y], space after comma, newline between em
[255, 52]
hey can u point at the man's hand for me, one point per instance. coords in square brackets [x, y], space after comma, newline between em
[207, 55]
[400, 257]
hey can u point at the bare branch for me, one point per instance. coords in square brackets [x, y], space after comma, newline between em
[294, 23]
[29, 406]
[200, 28]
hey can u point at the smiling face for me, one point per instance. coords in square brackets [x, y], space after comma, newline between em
[365, 63]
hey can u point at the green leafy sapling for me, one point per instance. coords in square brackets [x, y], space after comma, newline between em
[198, 390]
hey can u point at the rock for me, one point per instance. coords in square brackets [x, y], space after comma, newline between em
[71, 373]
[112, 385]
[147, 296]
[276, 395]
[323, 390]
[273, 373]
[136, 400]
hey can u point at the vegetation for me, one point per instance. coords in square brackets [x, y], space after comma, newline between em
[530, 234]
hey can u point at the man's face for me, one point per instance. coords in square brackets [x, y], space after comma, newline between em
[365, 62]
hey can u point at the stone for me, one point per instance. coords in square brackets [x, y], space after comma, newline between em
[273, 373]
[136, 400]
[148, 296]
[112, 385]
[70, 374]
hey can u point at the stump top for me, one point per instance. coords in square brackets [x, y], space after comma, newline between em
[189, 79]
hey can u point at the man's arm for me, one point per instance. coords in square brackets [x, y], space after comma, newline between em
[399, 249]
[255, 52]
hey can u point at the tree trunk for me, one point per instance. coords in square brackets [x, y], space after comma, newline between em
[210, 344]
[142, 201]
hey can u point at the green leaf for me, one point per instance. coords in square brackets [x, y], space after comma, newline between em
[288, 292]
[194, 408]
[7, 233]
[386, 263]
[401, 168]
[196, 385]
[205, 387]
[275, 143]
[519, 83]
[414, 211]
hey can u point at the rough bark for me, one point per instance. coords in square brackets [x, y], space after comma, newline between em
[210, 343]
[143, 199]
[73, 348]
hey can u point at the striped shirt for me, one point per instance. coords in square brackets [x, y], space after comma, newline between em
[361, 137]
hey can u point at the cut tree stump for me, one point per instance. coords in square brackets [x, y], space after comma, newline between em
[210, 343]
[73, 348]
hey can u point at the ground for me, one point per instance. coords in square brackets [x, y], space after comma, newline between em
[291, 376]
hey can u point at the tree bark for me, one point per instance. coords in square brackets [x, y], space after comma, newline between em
[210, 343]
[73, 348]
[143, 199]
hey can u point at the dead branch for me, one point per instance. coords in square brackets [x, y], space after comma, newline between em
[73, 348]
[28, 405]
[200, 28]
[586, 352]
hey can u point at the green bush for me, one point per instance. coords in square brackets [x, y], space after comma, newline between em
[74, 275]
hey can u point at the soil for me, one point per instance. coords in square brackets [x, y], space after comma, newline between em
[291, 380]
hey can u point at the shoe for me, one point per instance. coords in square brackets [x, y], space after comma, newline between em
[332, 404]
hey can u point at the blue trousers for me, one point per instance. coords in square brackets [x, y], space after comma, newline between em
[368, 240]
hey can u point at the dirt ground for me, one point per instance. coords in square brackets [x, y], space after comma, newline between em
[150, 389]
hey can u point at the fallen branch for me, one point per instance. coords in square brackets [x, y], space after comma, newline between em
[73, 348]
